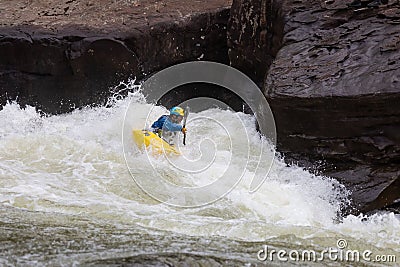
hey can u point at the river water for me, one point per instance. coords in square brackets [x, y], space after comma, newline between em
[68, 198]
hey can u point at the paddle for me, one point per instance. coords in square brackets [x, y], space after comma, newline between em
[184, 124]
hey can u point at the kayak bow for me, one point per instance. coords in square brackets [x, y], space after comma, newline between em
[150, 140]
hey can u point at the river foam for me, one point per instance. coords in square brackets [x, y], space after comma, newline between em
[73, 164]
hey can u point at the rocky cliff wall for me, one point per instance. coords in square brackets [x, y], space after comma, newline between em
[61, 55]
[331, 74]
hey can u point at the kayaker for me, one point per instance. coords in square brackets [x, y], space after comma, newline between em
[168, 125]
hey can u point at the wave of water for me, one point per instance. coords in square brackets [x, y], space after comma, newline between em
[57, 168]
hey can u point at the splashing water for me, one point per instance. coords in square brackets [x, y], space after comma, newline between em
[67, 196]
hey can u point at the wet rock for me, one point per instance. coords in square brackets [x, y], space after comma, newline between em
[254, 36]
[388, 198]
[61, 55]
[333, 86]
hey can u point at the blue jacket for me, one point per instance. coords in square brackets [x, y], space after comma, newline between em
[164, 123]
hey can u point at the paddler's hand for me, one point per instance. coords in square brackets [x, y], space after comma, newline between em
[183, 130]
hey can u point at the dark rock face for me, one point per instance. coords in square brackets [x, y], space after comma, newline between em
[334, 88]
[57, 75]
[254, 36]
[56, 59]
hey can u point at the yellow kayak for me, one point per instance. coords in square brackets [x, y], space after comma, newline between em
[149, 139]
